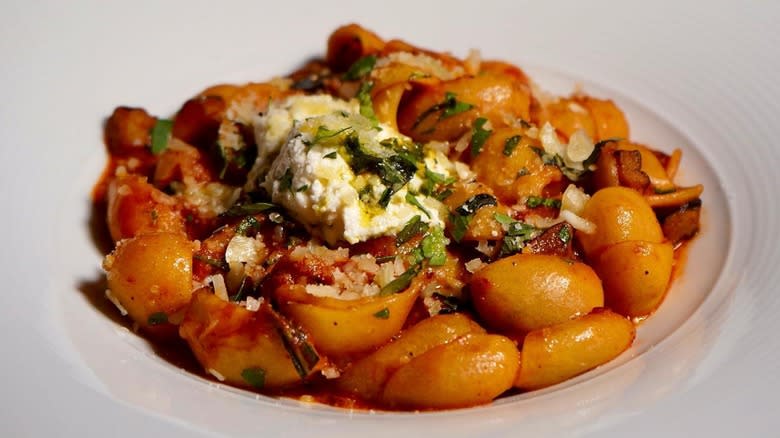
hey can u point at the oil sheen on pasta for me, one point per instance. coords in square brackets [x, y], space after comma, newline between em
[390, 227]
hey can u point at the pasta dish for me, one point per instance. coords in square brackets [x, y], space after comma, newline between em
[391, 227]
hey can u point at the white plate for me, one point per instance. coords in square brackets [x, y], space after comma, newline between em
[692, 76]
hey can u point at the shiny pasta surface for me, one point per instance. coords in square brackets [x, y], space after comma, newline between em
[390, 227]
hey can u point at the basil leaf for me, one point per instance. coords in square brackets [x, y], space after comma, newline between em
[536, 201]
[360, 68]
[476, 202]
[255, 377]
[331, 155]
[161, 134]
[452, 106]
[248, 209]
[510, 144]
[402, 282]
[478, 136]
[382, 314]
[219, 264]
[564, 234]
[412, 228]
[460, 224]
[449, 107]
[157, 318]
[434, 247]
[285, 181]
[248, 223]
[366, 105]
[410, 198]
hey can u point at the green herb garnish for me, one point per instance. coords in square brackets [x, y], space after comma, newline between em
[323, 133]
[478, 136]
[302, 188]
[382, 314]
[360, 68]
[219, 264]
[366, 105]
[161, 134]
[402, 282]
[255, 377]
[537, 201]
[285, 181]
[248, 223]
[449, 107]
[510, 144]
[410, 198]
[157, 318]
[462, 215]
[331, 155]
[394, 170]
[476, 202]
[247, 209]
[452, 106]
[434, 247]
[564, 234]
[412, 228]
[517, 234]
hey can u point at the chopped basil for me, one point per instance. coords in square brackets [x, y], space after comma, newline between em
[452, 106]
[460, 224]
[154, 216]
[434, 247]
[323, 133]
[360, 68]
[385, 259]
[394, 170]
[478, 136]
[449, 107]
[302, 188]
[537, 201]
[302, 353]
[246, 225]
[243, 288]
[331, 155]
[157, 318]
[564, 234]
[436, 184]
[255, 377]
[219, 264]
[447, 303]
[402, 282]
[503, 219]
[462, 215]
[517, 234]
[366, 106]
[412, 228]
[557, 161]
[410, 198]
[594, 156]
[476, 202]
[247, 209]
[444, 194]
[510, 144]
[382, 314]
[161, 134]
[285, 181]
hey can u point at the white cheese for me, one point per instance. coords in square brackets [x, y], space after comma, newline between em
[310, 177]
[272, 128]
